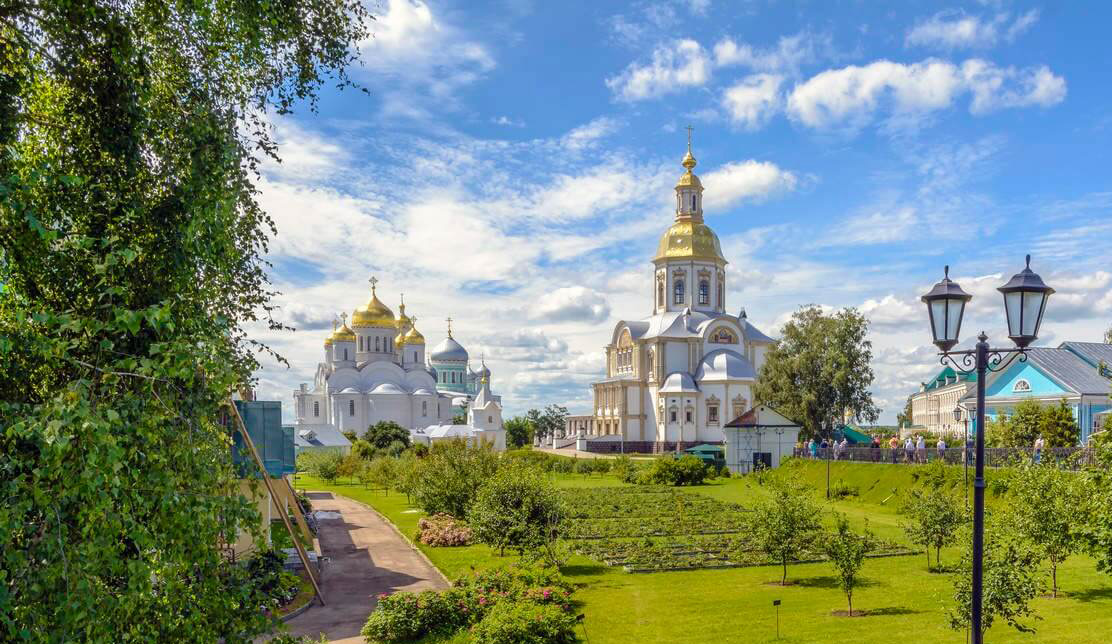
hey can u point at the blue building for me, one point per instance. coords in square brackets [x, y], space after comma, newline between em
[1078, 372]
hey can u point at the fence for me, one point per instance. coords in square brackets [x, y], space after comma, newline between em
[1068, 457]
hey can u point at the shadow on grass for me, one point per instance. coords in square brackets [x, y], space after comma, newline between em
[1090, 594]
[830, 582]
[583, 570]
[890, 610]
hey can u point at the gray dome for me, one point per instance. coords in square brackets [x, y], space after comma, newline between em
[449, 351]
[724, 364]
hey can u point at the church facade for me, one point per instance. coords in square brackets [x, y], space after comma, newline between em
[675, 378]
[376, 369]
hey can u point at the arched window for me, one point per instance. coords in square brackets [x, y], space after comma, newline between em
[376, 344]
[660, 293]
[650, 364]
[351, 408]
[345, 353]
[704, 292]
[677, 290]
[316, 409]
[693, 203]
[424, 408]
[360, 343]
[1021, 385]
[720, 303]
[415, 356]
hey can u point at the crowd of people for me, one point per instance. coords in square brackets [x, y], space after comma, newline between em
[913, 449]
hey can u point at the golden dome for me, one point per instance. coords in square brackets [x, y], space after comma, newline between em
[343, 334]
[689, 180]
[691, 240]
[373, 314]
[414, 336]
[399, 340]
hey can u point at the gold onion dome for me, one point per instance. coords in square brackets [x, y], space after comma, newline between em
[343, 334]
[373, 314]
[689, 239]
[414, 336]
[399, 340]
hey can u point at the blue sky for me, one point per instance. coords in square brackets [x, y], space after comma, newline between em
[512, 166]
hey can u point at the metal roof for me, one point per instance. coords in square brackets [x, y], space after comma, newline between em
[1092, 352]
[1069, 369]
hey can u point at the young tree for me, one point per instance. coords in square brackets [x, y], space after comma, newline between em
[935, 519]
[548, 422]
[846, 550]
[903, 418]
[518, 508]
[819, 370]
[385, 432]
[1058, 427]
[1045, 506]
[383, 473]
[450, 476]
[786, 525]
[407, 474]
[132, 257]
[1023, 426]
[519, 431]
[1010, 581]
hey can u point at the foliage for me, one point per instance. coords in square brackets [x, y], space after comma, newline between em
[624, 469]
[385, 432]
[474, 599]
[408, 473]
[525, 622]
[459, 419]
[443, 530]
[846, 550]
[364, 450]
[519, 508]
[519, 431]
[323, 464]
[132, 257]
[787, 524]
[903, 418]
[1044, 505]
[448, 479]
[548, 422]
[1029, 420]
[1096, 525]
[667, 470]
[936, 517]
[269, 578]
[1010, 581]
[1058, 427]
[350, 435]
[820, 369]
[382, 473]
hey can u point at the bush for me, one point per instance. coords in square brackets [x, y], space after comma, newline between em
[443, 530]
[518, 508]
[385, 432]
[404, 617]
[447, 479]
[666, 470]
[724, 472]
[840, 490]
[525, 622]
[324, 465]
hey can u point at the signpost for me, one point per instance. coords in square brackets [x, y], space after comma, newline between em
[776, 603]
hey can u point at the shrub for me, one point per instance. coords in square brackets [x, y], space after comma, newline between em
[525, 622]
[443, 530]
[324, 465]
[385, 432]
[840, 490]
[624, 469]
[724, 472]
[404, 617]
[666, 470]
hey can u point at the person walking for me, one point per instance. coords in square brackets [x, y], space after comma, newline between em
[1039, 444]
[813, 448]
[921, 450]
[909, 450]
[875, 447]
[894, 447]
[941, 449]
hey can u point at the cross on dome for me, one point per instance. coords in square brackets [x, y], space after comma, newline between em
[449, 320]
[373, 281]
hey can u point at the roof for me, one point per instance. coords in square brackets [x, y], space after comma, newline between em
[1070, 369]
[724, 364]
[705, 449]
[1092, 352]
[319, 436]
[753, 334]
[943, 377]
[678, 382]
[449, 350]
[762, 416]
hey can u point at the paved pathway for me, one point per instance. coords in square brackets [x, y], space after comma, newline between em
[368, 557]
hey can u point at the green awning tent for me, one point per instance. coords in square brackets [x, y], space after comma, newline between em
[853, 435]
[715, 454]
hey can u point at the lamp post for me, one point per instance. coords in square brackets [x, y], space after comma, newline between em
[1025, 297]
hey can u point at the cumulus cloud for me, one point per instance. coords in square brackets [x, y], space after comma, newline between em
[307, 317]
[589, 134]
[892, 312]
[736, 181]
[573, 304]
[851, 96]
[789, 53]
[675, 66]
[754, 100]
[955, 29]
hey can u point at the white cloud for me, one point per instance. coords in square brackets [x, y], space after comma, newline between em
[892, 312]
[740, 180]
[955, 29]
[788, 55]
[589, 134]
[675, 66]
[507, 121]
[573, 304]
[754, 100]
[873, 227]
[852, 95]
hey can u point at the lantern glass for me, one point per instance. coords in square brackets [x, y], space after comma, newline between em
[1025, 299]
[945, 305]
[957, 414]
[1032, 312]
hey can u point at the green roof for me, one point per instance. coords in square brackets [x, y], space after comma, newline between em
[705, 449]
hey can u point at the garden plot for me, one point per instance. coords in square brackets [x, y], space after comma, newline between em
[650, 529]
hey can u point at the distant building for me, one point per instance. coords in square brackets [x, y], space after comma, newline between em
[761, 437]
[932, 408]
[1077, 372]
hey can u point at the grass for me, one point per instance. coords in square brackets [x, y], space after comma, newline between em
[735, 605]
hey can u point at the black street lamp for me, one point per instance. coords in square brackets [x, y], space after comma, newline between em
[1025, 297]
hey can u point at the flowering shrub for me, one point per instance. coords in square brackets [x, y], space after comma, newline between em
[525, 622]
[406, 617]
[443, 530]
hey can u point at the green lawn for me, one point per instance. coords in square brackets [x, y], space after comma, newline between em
[735, 605]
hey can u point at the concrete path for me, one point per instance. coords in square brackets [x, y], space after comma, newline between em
[368, 557]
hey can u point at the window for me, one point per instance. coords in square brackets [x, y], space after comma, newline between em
[415, 356]
[651, 363]
[490, 419]
[376, 344]
[424, 408]
[351, 408]
[660, 293]
[672, 416]
[693, 202]
[360, 343]
[720, 302]
[1021, 385]
[316, 409]
[712, 414]
[677, 289]
[704, 292]
[345, 353]
[687, 415]
[722, 336]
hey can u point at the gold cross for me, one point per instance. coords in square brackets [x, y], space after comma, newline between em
[373, 281]
[689, 129]
[344, 317]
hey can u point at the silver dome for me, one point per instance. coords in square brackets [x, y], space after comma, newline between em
[449, 351]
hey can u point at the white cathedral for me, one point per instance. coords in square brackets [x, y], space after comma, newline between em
[675, 378]
[377, 370]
